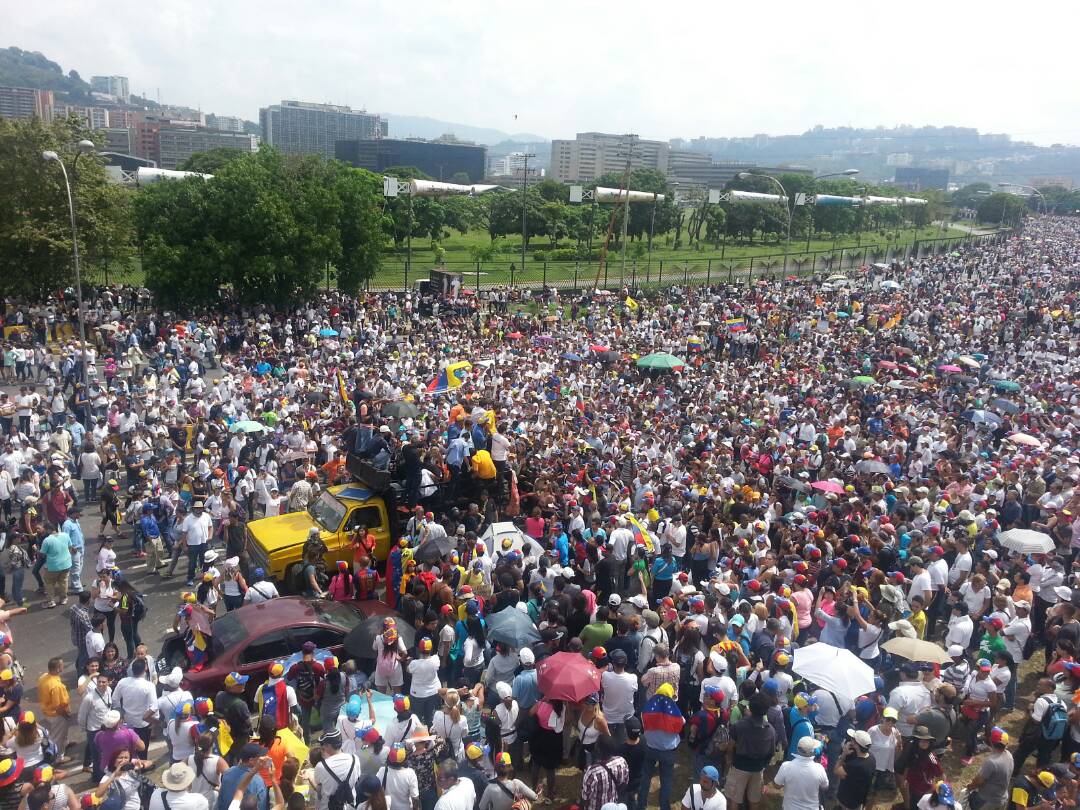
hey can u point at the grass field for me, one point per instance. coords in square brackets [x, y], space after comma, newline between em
[666, 264]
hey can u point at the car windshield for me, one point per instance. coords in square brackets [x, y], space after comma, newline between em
[227, 632]
[327, 511]
[337, 614]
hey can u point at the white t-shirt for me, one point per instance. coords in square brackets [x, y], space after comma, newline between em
[920, 583]
[974, 599]
[325, 784]
[619, 690]
[461, 796]
[179, 801]
[695, 801]
[883, 747]
[401, 785]
[425, 676]
[802, 780]
[961, 565]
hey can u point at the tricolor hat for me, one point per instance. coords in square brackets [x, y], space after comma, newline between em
[369, 735]
[999, 736]
[203, 706]
[236, 679]
[473, 751]
[277, 669]
[183, 709]
[342, 565]
[10, 769]
[402, 703]
[43, 773]
[397, 754]
[424, 645]
[27, 717]
[502, 759]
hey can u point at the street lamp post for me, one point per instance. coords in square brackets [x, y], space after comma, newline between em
[81, 148]
[524, 215]
[1032, 189]
[787, 205]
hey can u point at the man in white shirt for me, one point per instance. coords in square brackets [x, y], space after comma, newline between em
[801, 779]
[457, 793]
[961, 567]
[909, 698]
[136, 699]
[1015, 635]
[197, 529]
[401, 785]
[177, 795]
[961, 626]
[619, 688]
[335, 768]
[261, 589]
[920, 581]
[939, 576]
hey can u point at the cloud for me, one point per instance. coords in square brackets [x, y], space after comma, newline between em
[660, 70]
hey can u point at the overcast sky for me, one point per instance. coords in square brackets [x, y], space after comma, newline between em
[658, 69]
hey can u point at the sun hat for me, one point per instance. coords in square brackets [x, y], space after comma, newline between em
[922, 733]
[178, 777]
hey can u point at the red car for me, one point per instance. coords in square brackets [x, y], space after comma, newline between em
[248, 639]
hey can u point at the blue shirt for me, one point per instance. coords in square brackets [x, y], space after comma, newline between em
[526, 691]
[149, 526]
[77, 432]
[57, 554]
[562, 545]
[664, 569]
[73, 530]
[230, 781]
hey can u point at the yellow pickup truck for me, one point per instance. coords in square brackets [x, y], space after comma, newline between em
[276, 544]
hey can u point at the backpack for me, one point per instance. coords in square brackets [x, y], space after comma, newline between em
[139, 608]
[306, 681]
[115, 799]
[755, 740]
[344, 795]
[1055, 720]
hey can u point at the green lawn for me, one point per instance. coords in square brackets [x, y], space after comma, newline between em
[666, 265]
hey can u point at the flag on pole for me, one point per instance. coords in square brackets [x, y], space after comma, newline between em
[343, 392]
[631, 303]
[736, 325]
[450, 377]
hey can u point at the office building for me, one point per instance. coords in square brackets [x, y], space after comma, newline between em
[697, 170]
[147, 146]
[301, 128]
[593, 154]
[25, 102]
[507, 165]
[442, 159]
[226, 123]
[176, 143]
[916, 178]
[120, 140]
[116, 86]
[92, 117]
[120, 117]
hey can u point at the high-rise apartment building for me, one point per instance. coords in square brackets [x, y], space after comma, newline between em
[225, 123]
[92, 117]
[176, 143]
[25, 102]
[112, 85]
[302, 128]
[592, 154]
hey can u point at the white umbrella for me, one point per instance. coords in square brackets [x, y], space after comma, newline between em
[1024, 438]
[834, 669]
[1026, 541]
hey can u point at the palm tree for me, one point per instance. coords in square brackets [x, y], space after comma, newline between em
[828, 260]
[801, 263]
[768, 264]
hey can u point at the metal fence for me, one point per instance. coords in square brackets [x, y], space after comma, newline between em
[634, 273]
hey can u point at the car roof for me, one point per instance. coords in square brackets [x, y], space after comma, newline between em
[282, 611]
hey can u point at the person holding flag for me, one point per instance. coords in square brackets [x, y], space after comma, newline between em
[662, 724]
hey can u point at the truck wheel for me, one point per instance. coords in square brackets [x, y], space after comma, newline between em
[294, 578]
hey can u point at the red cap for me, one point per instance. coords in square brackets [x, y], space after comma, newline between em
[937, 550]
[754, 585]
[445, 609]
[800, 579]
[840, 563]
[815, 552]
[598, 653]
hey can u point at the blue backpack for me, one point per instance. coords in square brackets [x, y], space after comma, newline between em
[1055, 721]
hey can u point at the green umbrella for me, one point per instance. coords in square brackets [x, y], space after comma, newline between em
[247, 426]
[1006, 385]
[661, 360]
[862, 379]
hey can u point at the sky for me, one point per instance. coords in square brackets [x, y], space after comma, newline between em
[565, 66]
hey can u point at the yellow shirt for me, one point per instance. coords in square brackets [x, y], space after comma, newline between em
[52, 695]
[482, 465]
[918, 621]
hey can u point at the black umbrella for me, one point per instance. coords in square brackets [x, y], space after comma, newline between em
[511, 626]
[400, 410]
[316, 396]
[607, 357]
[792, 483]
[361, 639]
[432, 549]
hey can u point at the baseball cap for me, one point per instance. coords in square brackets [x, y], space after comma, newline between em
[956, 651]
[710, 773]
[860, 737]
[889, 713]
[999, 736]
[985, 665]
[1046, 779]
[369, 735]
[527, 657]
[236, 679]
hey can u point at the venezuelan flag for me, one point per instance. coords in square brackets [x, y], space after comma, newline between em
[662, 714]
[736, 325]
[641, 534]
[694, 344]
[342, 390]
[450, 377]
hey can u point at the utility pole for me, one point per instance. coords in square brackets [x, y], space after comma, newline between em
[524, 213]
[626, 203]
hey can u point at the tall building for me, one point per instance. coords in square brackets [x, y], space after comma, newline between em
[118, 139]
[592, 154]
[120, 117]
[112, 85]
[178, 142]
[916, 178]
[226, 123]
[25, 102]
[92, 117]
[440, 159]
[507, 165]
[147, 129]
[302, 128]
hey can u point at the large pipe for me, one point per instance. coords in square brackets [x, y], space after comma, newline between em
[832, 199]
[756, 198]
[433, 188]
[146, 175]
[612, 195]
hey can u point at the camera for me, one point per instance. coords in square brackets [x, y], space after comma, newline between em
[127, 766]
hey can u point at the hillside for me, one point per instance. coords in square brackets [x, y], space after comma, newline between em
[21, 68]
[418, 126]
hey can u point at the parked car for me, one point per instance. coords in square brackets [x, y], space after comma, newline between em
[248, 639]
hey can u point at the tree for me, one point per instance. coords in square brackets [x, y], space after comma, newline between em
[1001, 208]
[970, 195]
[210, 161]
[35, 225]
[461, 178]
[266, 226]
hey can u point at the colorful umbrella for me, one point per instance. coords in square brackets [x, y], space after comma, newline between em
[969, 361]
[828, 486]
[862, 379]
[328, 333]
[1006, 385]
[567, 676]
[598, 347]
[571, 356]
[513, 335]
[949, 368]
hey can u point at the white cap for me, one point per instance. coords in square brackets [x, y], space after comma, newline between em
[502, 688]
[614, 600]
[956, 651]
[526, 656]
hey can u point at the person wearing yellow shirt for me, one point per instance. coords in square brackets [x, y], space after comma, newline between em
[55, 705]
[483, 466]
[918, 616]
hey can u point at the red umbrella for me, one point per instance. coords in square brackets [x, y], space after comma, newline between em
[596, 347]
[567, 676]
[513, 335]
[828, 486]
[887, 364]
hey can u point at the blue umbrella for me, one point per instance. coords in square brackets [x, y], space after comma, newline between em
[571, 356]
[842, 314]
[328, 333]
